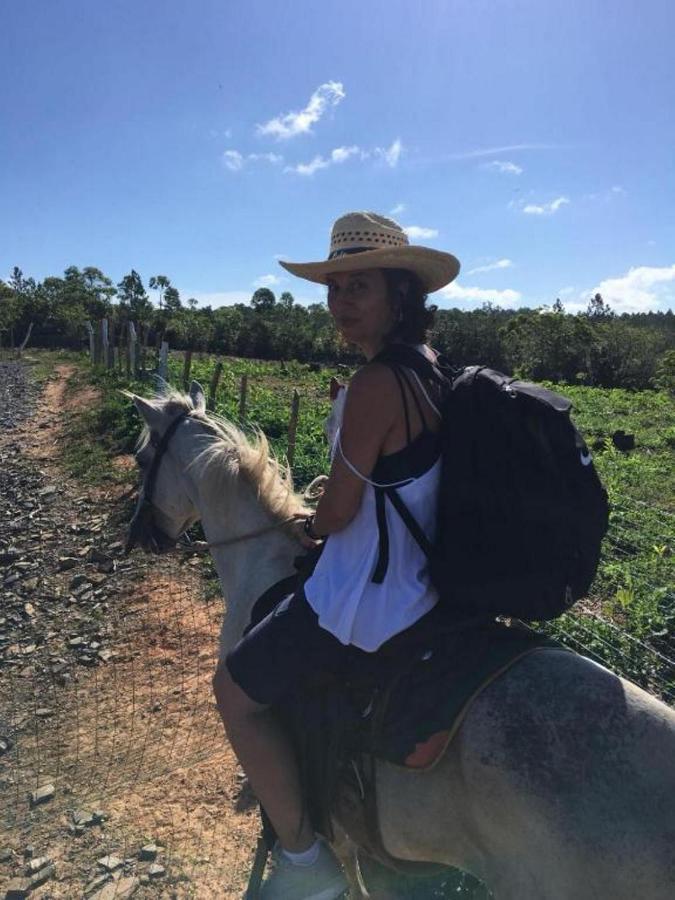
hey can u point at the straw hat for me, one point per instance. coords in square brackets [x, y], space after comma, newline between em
[366, 240]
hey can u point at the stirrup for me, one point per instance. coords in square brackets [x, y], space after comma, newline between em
[257, 869]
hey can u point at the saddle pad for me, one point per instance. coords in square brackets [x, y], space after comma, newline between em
[425, 704]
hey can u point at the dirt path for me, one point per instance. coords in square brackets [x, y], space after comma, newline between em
[105, 699]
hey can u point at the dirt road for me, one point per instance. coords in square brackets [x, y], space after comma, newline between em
[109, 738]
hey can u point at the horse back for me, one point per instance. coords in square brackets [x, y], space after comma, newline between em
[560, 783]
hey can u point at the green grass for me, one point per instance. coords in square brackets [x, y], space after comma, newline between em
[633, 597]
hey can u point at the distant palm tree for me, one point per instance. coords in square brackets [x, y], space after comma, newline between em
[159, 283]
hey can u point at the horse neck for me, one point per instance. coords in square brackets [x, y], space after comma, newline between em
[246, 568]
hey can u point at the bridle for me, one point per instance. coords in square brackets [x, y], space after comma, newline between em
[144, 531]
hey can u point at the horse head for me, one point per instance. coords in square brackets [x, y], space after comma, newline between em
[166, 504]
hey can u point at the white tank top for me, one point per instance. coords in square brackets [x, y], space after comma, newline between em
[341, 591]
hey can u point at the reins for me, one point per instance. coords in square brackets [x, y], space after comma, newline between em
[205, 546]
[143, 529]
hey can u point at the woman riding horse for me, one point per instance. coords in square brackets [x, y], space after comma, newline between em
[377, 289]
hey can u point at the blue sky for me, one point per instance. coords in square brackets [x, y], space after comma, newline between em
[204, 139]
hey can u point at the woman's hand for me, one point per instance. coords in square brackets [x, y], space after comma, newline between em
[297, 529]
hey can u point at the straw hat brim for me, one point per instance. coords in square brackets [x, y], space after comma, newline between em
[434, 268]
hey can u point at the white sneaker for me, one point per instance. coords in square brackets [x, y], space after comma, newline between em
[323, 880]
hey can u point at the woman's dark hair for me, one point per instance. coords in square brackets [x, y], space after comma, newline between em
[409, 298]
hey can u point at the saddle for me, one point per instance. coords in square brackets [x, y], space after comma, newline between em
[404, 710]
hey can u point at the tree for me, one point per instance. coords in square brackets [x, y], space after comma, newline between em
[286, 300]
[558, 307]
[263, 298]
[159, 283]
[133, 298]
[597, 310]
[172, 300]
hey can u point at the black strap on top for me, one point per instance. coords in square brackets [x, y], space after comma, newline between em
[381, 493]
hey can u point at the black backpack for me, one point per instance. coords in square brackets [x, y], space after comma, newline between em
[522, 511]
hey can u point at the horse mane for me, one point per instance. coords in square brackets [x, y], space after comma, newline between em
[228, 452]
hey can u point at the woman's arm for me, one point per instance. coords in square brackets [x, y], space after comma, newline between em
[370, 412]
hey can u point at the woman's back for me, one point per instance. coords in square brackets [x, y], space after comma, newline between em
[357, 598]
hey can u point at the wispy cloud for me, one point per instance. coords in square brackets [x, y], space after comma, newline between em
[545, 209]
[342, 154]
[397, 210]
[506, 298]
[418, 232]
[640, 289]
[235, 161]
[391, 154]
[504, 166]
[267, 281]
[337, 156]
[608, 195]
[291, 124]
[274, 158]
[493, 151]
[490, 267]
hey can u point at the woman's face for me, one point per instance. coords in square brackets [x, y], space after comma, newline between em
[360, 305]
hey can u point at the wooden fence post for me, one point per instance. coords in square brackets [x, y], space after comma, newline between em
[92, 342]
[213, 387]
[293, 427]
[25, 341]
[242, 397]
[133, 342]
[163, 365]
[105, 344]
[144, 332]
[186, 369]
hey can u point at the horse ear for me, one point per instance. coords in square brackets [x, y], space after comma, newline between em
[153, 417]
[197, 397]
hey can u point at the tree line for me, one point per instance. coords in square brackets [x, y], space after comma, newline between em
[596, 347]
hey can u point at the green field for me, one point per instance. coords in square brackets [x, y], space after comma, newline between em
[628, 622]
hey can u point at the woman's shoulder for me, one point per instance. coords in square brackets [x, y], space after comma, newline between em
[375, 378]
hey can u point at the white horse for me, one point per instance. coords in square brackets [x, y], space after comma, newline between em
[560, 783]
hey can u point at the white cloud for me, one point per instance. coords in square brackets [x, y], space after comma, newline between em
[504, 166]
[337, 156]
[509, 148]
[341, 154]
[391, 154]
[274, 158]
[454, 291]
[267, 281]
[545, 209]
[397, 210]
[309, 168]
[640, 289]
[417, 232]
[290, 124]
[608, 195]
[233, 160]
[489, 267]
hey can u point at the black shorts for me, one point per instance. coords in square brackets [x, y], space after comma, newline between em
[282, 651]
